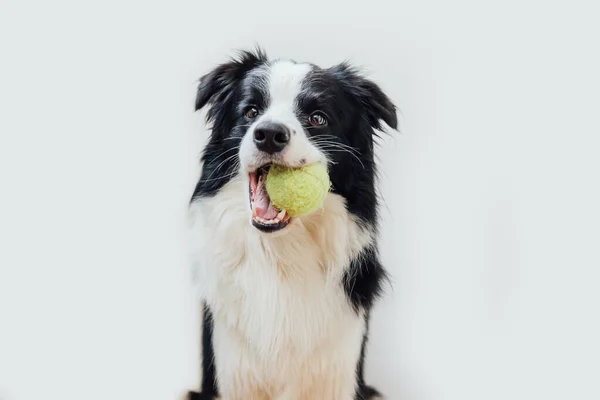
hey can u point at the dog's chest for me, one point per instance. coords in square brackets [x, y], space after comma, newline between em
[275, 303]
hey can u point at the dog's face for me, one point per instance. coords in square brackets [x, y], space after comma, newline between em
[282, 112]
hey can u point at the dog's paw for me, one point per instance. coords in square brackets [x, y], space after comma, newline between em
[201, 396]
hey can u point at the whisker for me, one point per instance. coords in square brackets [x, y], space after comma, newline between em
[219, 166]
[242, 126]
[328, 146]
[336, 144]
[350, 149]
[333, 149]
[233, 172]
[225, 152]
[323, 140]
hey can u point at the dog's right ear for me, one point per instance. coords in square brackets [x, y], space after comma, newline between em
[374, 101]
[217, 85]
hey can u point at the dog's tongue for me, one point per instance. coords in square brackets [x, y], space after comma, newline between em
[262, 204]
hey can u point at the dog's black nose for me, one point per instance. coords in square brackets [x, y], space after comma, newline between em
[271, 137]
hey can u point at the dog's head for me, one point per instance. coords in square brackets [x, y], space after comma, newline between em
[267, 112]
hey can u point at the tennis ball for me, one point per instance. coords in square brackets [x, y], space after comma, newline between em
[299, 191]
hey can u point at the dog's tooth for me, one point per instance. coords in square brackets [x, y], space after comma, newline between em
[281, 214]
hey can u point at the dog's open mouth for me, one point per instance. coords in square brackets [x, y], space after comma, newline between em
[265, 216]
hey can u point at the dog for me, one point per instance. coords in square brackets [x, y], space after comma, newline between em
[286, 301]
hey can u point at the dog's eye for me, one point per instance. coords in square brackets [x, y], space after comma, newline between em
[317, 119]
[251, 112]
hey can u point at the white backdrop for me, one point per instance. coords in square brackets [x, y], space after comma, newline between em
[491, 228]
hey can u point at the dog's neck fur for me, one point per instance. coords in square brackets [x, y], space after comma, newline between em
[324, 242]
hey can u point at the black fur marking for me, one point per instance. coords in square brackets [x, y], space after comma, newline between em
[209, 377]
[354, 106]
[222, 88]
[375, 103]
[217, 86]
[363, 281]
[363, 391]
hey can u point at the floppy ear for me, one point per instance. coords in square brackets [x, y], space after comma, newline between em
[376, 103]
[217, 86]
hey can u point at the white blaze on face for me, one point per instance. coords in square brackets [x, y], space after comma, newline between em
[283, 83]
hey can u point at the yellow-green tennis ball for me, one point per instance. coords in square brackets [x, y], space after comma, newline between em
[299, 191]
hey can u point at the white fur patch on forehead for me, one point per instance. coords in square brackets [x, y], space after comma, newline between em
[285, 82]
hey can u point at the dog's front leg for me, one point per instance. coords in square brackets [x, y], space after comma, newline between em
[328, 381]
[235, 366]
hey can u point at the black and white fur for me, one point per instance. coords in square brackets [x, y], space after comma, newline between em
[286, 312]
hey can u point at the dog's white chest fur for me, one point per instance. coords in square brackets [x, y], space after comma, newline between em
[283, 327]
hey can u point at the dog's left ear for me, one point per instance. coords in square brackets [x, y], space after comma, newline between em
[217, 86]
[378, 105]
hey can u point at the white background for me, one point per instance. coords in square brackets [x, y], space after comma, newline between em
[492, 222]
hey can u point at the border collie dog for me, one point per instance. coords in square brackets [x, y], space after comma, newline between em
[286, 300]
